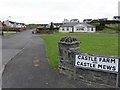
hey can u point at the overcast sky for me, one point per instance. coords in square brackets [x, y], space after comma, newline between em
[46, 11]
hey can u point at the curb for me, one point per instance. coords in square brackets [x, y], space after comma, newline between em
[2, 69]
[1, 72]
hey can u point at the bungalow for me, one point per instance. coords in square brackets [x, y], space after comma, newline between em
[77, 27]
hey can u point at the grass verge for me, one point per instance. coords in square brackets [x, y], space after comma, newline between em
[9, 33]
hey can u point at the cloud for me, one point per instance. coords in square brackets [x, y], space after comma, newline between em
[44, 11]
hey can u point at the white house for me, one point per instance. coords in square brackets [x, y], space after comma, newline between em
[14, 24]
[77, 27]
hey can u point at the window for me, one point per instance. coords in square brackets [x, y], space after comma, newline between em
[82, 28]
[63, 29]
[91, 29]
[67, 29]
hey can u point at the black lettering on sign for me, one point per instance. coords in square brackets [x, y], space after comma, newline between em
[104, 66]
[107, 60]
[103, 60]
[79, 57]
[85, 64]
[81, 63]
[82, 57]
[112, 60]
[114, 68]
[99, 66]
[78, 63]
[94, 65]
[95, 58]
[109, 67]
[89, 58]
[85, 57]
[100, 59]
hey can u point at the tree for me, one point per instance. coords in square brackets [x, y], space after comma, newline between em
[51, 26]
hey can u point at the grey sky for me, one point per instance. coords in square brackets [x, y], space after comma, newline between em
[45, 11]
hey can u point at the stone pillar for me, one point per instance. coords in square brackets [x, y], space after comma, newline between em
[68, 46]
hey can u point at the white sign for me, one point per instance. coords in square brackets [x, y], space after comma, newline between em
[99, 63]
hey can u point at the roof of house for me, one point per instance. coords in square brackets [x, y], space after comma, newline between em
[88, 25]
[74, 20]
[16, 23]
[58, 23]
[87, 20]
[73, 24]
[69, 24]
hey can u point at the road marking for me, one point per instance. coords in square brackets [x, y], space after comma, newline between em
[36, 61]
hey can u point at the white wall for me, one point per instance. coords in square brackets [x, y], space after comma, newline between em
[65, 29]
[79, 27]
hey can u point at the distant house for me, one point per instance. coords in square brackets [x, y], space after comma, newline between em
[101, 19]
[65, 21]
[1, 26]
[74, 21]
[116, 18]
[55, 25]
[77, 27]
[87, 20]
[14, 24]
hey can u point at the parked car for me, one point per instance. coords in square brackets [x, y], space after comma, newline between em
[33, 31]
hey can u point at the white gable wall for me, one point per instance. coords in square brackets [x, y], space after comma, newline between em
[80, 28]
[83, 28]
[65, 29]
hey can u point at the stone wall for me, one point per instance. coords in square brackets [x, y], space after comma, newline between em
[68, 47]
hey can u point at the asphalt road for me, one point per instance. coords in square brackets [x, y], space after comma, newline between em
[14, 44]
[30, 68]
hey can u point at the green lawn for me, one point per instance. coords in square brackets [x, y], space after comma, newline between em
[9, 32]
[108, 30]
[92, 43]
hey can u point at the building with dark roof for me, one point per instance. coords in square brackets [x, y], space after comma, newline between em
[87, 20]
